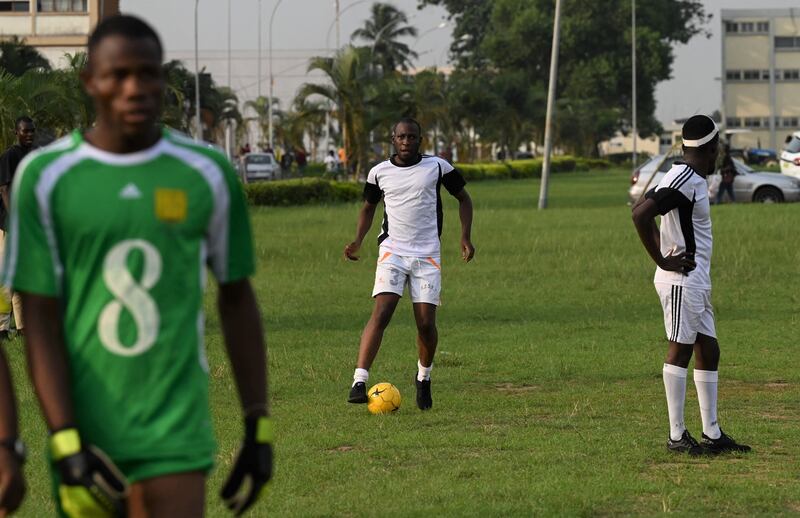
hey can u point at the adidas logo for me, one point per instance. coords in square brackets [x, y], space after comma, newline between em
[130, 192]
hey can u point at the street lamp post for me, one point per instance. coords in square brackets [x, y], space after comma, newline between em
[633, 80]
[199, 131]
[442, 25]
[551, 94]
[271, 77]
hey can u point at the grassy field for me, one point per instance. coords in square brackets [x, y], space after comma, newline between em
[547, 388]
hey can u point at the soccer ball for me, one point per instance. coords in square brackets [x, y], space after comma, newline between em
[383, 398]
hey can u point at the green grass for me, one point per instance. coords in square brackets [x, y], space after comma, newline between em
[548, 397]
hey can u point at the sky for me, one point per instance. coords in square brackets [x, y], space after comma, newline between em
[305, 28]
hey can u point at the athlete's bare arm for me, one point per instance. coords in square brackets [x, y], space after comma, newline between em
[47, 359]
[644, 218]
[465, 213]
[12, 486]
[244, 340]
[365, 217]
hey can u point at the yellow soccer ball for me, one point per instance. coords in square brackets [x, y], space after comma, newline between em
[383, 399]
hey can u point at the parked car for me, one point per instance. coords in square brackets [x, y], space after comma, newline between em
[790, 157]
[748, 185]
[258, 166]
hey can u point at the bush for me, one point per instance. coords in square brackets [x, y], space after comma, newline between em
[302, 192]
[530, 168]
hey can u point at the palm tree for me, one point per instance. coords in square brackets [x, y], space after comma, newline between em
[382, 31]
[16, 58]
[260, 105]
[352, 82]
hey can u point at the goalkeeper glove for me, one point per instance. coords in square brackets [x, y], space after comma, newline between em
[253, 467]
[90, 484]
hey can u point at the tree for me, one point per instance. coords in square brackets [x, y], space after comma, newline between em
[381, 31]
[260, 106]
[16, 58]
[594, 82]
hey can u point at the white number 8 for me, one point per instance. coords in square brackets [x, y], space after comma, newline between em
[132, 296]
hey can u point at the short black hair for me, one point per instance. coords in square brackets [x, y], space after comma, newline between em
[407, 120]
[21, 119]
[124, 25]
[698, 127]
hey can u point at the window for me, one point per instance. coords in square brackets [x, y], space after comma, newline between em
[752, 122]
[793, 146]
[666, 141]
[751, 75]
[762, 26]
[788, 122]
[62, 6]
[733, 75]
[787, 42]
[747, 27]
[14, 6]
[765, 75]
[731, 27]
[734, 122]
[791, 74]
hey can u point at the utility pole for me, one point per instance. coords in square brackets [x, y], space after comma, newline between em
[271, 77]
[198, 136]
[228, 129]
[338, 28]
[551, 94]
[633, 80]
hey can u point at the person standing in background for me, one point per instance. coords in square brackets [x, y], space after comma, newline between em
[25, 131]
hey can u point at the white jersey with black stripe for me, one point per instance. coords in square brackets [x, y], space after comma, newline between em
[412, 221]
[682, 198]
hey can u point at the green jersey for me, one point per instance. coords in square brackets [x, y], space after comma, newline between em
[123, 241]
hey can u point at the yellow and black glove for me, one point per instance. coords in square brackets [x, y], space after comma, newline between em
[253, 467]
[90, 485]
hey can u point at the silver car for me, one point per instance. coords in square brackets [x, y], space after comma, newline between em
[259, 166]
[748, 185]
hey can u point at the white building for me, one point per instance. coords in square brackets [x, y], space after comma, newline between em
[54, 27]
[760, 75]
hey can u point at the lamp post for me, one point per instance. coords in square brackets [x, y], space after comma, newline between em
[633, 80]
[335, 22]
[551, 94]
[442, 25]
[271, 77]
[199, 131]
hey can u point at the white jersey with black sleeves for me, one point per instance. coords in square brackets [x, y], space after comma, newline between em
[412, 219]
[682, 199]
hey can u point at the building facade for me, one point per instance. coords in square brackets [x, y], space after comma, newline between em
[760, 75]
[54, 27]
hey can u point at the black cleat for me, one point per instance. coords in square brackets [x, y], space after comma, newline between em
[686, 444]
[358, 393]
[424, 401]
[724, 444]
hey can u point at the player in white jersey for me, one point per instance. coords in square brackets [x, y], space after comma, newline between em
[681, 250]
[409, 184]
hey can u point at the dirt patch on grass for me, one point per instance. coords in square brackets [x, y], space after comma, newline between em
[341, 449]
[515, 388]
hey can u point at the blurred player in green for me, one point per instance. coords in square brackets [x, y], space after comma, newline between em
[12, 451]
[110, 234]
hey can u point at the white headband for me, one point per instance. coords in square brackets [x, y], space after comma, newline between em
[705, 140]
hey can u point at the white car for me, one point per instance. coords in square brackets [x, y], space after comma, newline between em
[259, 166]
[748, 185]
[790, 157]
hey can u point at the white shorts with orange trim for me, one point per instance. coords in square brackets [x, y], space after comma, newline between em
[423, 275]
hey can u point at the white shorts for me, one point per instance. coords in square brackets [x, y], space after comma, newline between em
[423, 275]
[687, 311]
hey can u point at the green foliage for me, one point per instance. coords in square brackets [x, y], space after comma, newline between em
[16, 58]
[382, 32]
[512, 51]
[531, 168]
[302, 192]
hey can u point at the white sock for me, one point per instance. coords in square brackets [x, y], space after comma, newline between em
[675, 387]
[423, 373]
[706, 384]
[361, 375]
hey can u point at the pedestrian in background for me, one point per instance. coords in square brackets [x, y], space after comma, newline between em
[25, 132]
